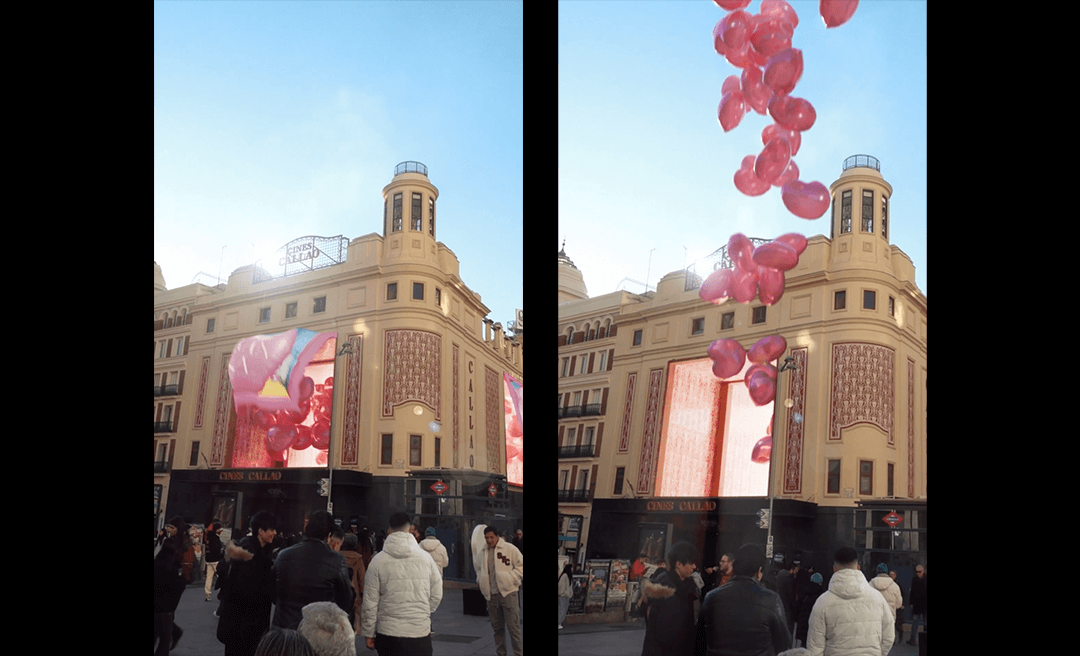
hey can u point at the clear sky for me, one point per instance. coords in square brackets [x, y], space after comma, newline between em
[644, 163]
[277, 120]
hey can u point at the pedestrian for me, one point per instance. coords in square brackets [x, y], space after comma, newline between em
[433, 546]
[354, 564]
[812, 591]
[213, 555]
[518, 541]
[743, 617]
[668, 602]
[566, 592]
[336, 538]
[311, 571]
[918, 602]
[785, 587]
[168, 588]
[283, 642]
[850, 618]
[245, 613]
[328, 629]
[899, 626]
[402, 588]
[365, 546]
[499, 578]
[888, 588]
[719, 575]
[177, 530]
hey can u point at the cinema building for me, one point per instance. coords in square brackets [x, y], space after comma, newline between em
[654, 448]
[361, 371]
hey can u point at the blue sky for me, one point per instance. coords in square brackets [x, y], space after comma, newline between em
[276, 120]
[644, 163]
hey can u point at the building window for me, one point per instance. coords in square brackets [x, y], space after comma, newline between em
[892, 306]
[584, 363]
[290, 310]
[438, 449]
[698, 326]
[565, 367]
[391, 291]
[194, 462]
[866, 477]
[179, 346]
[637, 338]
[417, 219]
[387, 450]
[759, 315]
[431, 217]
[603, 361]
[209, 325]
[620, 473]
[438, 297]
[414, 450]
[845, 212]
[397, 213]
[839, 300]
[264, 315]
[418, 291]
[890, 481]
[320, 305]
[884, 217]
[867, 211]
[727, 320]
[833, 485]
[869, 300]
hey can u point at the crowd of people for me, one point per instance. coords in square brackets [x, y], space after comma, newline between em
[315, 593]
[732, 611]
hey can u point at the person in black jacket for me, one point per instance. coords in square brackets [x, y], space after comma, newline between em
[311, 571]
[668, 600]
[213, 555]
[168, 587]
[742, 617]
[918, 602]
[806, 604]
[249, 588]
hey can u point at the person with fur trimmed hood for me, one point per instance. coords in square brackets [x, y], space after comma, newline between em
[249, 586]
[668, 603]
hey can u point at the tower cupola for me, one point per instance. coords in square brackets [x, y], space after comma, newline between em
[409, 202]
[860, 214]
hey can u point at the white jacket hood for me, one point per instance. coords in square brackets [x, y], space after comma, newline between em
[848, 584]
[400, 545]
[882, 582]
[850, 619]
[402, 587]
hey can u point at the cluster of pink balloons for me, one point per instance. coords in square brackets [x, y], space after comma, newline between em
[757, 272]
[760, 45]
[729, 356]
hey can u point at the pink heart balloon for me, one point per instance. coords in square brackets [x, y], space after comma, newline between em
[776, 255]
[762, 388]
[773, 160]
[789, 174]
[792, 113]
[741, 58]
[717, 38]
[731, 83]
[767, 349]
[837, 12]
[740, 250]
[728, 357]
[732, 4]
[745, 287]
[795, 240]
[717, 287]
[783, 71]
[754, 90]
[735, 29]
[770, 285]
[779, 9]
[747, 181]
[793, 136]
[771, 35]
[805, 200]
[762, 450]
[758, 367]
[731, 110]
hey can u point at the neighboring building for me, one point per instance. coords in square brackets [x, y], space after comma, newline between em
[417, 392]
[682, 452]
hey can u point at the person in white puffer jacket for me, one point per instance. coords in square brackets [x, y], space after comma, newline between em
[433, 546]
[888, 588]
[851, 618]
[402, 588]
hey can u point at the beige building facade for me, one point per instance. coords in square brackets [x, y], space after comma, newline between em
[418, 385]
[848, 426]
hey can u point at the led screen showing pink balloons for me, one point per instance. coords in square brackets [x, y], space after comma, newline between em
[283, 390]
[761, 47]
[513, 404]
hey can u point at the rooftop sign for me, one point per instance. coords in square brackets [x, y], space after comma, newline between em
[304, 254]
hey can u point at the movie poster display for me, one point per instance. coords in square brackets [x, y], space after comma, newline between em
[283, 390]
[596, 595]
[617, 580]
[652, 546]
[512, 406]
[580, 584]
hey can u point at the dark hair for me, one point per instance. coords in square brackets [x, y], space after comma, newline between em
[399, 520]
[682, 552]
[336, 533]
[568, 571]
[319, 525]
[748, 560]
[262, 520]
[284, 642]
[492, 529]
[845, 556]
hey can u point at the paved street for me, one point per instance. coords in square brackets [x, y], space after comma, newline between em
[626, 640]
[456, 634]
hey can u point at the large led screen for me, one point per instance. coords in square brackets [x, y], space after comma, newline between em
[512, 404]
[709, 445]
[283, 389]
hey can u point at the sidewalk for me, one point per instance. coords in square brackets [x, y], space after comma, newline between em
[456, 634]
[628, 638]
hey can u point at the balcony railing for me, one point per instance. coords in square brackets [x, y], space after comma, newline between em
[161, 467]
[164, 427]
[166, 390]
[410, 167]
[573, 496]
[864, 161]
[579, 451]
[585, 410]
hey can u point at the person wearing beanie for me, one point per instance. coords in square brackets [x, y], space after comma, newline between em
[328, 629]
[806, 604]
[884, 584]
[433, 546]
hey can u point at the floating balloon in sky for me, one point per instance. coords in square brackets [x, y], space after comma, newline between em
[837, 12]
[731, 109]
[767, 349]
[779, 9]
[728, 357]
[717, 287]
[783, 71]
[762, 450]
[732, 4]
[805, 200]
[776, 255]
[747, 181]
[754, 90]
[795, 240]
[770, 285]
[793, 136]
[792, 113]
[773, 160]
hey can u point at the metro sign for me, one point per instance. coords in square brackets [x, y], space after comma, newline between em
[892, 519]
[440, 487]
[492, 489]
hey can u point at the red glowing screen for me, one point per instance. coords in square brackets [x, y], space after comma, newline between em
[512, 406]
